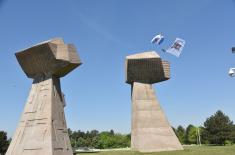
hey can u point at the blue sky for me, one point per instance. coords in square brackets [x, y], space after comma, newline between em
[106, 31]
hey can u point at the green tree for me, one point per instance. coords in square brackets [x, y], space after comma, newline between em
[81, 142]
[110, 140]
[95, 142]
[181, 134]
[218, 128]
[192, 135]
[112, 132]
[187, 133]
[105, 140]
[129, 136]
[233, 134]
[74, 138]
[102, 140]
[94, 133]
[4, 143]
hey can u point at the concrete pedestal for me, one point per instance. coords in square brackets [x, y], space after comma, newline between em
[151, 132]
[42, 129]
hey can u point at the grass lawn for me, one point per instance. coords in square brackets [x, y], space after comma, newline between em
[189, 150]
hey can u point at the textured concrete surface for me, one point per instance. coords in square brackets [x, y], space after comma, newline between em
[42, 129]
[142, 68]
[52, 57]
[150, 131]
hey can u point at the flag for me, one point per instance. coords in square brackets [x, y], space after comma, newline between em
[176, 47]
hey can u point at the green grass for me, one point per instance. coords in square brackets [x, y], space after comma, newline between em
[189, 150]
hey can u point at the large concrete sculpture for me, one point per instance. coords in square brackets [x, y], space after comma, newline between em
[151, 132]
[42, 128]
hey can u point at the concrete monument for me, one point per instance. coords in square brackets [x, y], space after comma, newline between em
[150, 131]
[42, 129]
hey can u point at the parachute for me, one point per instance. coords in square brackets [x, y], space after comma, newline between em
[231, 72]
[158, 39]
[176, 48]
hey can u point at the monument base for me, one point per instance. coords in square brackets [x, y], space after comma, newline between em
[42, 129]
[151, 132]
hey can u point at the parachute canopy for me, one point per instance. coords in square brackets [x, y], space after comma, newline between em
[176, 48]
[231, 72]
[158, 39]
[233, 49]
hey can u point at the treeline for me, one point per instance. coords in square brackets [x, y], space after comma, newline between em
[99, 140]
[217, 130]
